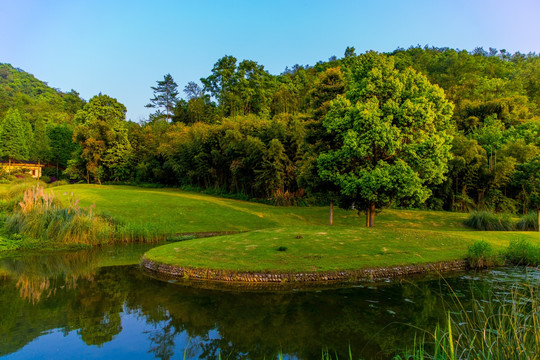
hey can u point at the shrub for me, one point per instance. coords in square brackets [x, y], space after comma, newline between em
[528, 222]
[522, 252]
[480, 254]
[487, 221]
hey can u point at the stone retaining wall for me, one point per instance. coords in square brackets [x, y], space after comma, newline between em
[376, 274]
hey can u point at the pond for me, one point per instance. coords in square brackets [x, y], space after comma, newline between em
[99, 304]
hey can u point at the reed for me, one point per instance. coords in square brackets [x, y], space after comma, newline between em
[40, 215]
[504, 327]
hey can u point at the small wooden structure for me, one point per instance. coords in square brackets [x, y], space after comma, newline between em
[29, 167]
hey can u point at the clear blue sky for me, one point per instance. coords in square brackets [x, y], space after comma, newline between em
[121, 48]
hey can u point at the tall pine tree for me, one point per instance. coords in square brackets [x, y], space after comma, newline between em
[13, 137]
[165, 96]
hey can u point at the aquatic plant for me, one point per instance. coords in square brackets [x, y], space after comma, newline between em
[480, 254]
[522, 252]
[506, 326]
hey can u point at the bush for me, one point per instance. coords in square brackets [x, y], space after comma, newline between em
[522, 252]
[480, 255]
[487, 221]
[528, 222]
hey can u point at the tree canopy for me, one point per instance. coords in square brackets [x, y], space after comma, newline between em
[393, 133]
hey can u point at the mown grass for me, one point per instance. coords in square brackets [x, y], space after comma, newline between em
[324, 248]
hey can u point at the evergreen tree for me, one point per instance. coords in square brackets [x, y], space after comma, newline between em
[40, 145]
[165, 96]
[13, 142]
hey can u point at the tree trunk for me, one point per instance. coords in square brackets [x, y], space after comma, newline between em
[331, 213]
[367, 216]
[372, 215]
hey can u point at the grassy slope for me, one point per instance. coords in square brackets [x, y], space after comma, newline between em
[182, 212]
[400, 237]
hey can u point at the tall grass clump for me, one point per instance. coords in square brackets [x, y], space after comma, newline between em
[528, 222]
[41, 216]
[522, 252]
[480, 254]
[505, 327]
[14, 194]
[487, 221]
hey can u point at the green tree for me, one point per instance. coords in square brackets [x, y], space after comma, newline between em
[102, 134]
[40, 145]
[393, 129]
[272, 175]
[13, 137]
[165, 96]
[61, 145]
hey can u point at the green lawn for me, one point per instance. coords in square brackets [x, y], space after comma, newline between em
[176, 211]
[324, 248]
[400, 237]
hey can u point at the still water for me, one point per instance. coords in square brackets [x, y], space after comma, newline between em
[99, 304]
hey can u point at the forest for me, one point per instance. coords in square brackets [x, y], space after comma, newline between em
[440, 128]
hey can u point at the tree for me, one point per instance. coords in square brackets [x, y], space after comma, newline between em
[240, 89]
[193, 90]
[392, 127]
[13, 137]
[331, 83]
[165, 96]
[40, 145]
[102, 134]
[61, 145]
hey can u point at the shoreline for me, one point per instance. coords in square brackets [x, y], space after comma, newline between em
[272, 278]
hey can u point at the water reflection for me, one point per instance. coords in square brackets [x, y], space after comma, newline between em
[117, 311]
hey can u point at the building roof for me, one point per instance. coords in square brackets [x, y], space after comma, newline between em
[20, 163]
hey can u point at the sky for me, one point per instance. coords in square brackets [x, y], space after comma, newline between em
[121, 48]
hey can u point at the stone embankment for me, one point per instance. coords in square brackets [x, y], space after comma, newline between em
[375, 274]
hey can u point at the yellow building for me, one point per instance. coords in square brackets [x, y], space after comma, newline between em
[26, 166]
